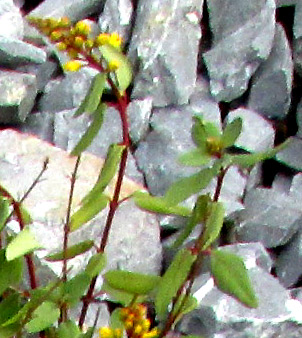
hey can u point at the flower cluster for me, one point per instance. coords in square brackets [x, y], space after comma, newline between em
[136, 324]
[77, 40]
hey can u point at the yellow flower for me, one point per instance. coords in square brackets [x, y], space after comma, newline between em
[115, 40]
[102, 39]
[106, 332]
[82, 28]
[72, 66]
[113, 65]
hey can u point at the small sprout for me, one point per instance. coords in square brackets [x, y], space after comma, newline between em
[72, 66]
[113, 65]
[82, 28]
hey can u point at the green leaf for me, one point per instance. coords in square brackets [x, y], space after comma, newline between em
[171, 281]
[68, 329]
[108, 171]
[4, 212]
[158, 205]
[202, 130]
[231, 276]
[88, 211]
[249, 160]
[188, 186]
[131, 282]
[213, 224]
[71, 252]
[9, 307]
[88, 334]
[43, 317]
[10, 330]
[92, 130]
[124, 72]
[11, 271]
[121, 297]
[198, 216]
[25, 215]
[184, 306]
[94, 95]
[231, 132]
[22, 244]
[96, 264]
[194, 158]
[75, 288]
[115, 320]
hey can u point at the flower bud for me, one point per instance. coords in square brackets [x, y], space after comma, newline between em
[72, 66]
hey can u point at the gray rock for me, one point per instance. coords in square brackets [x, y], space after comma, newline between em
[69, 130]
[270, 217]
[18, 92]
[270, 93]
[157, 154]
[289, 261]
[165, 44]
[134, 241]
[43, 72]
[116, 17]
[233, 60]
[11, 22]
[139, 112]
[291, 155]
[14, 52]
[74, 9]
[297, 29]
[257, 133]
[281, 3]
[67, 92]
[299, 119]
[219, 315]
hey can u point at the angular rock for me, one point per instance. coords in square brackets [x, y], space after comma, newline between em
[219, 315]
[289, 261]
[69, 130]
[43, 72]
[257, 133]
[18, 92]
[281, 3]
[230, 69]
[270, 93]
[139, 112]
[74, 9]
[157, 154]
[67, 92]
[14, 52]
[164, 46]
[11, 21]
[116, 17]
[270, 217]
[297, 30]
[134, 241]
[292, 155]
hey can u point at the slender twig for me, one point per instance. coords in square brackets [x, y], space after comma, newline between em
[64, 310]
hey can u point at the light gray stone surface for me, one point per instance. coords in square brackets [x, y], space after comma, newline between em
[11, 21]
[234, 58]
[21, 159]
[74, 9]
[116, 17]
[257, 133]
[14, 52]
[66, 92]
[219, 315]
[18, 92]
[270, 216]
[292, 155]
[164, 46]
[270, 94]
[139, 113]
